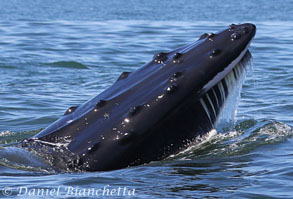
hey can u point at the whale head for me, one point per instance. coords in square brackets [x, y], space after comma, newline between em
[152, 112]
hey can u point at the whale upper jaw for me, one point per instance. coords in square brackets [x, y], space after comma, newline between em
[152, 112]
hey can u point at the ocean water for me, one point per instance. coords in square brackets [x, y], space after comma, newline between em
[57, 54]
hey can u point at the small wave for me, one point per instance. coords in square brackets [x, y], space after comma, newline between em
[202, 146]
[68, 64]
[15, 158]
[8, 138]
[19, 159]
[7, 66]
[247, 136]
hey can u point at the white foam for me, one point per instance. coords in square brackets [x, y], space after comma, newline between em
[200, 142]
[6, 133]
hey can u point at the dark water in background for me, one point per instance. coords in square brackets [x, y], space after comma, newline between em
[57, 54]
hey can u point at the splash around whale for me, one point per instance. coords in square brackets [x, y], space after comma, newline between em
[152, 112]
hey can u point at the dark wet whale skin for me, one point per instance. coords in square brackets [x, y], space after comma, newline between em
[148, 114]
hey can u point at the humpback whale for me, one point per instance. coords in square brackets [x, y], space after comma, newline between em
[152, 112]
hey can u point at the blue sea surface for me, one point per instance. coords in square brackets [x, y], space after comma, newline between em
[57, 54]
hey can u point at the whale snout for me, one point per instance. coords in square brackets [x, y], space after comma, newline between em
[238, 31]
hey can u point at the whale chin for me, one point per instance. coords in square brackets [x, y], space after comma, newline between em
[152, 112]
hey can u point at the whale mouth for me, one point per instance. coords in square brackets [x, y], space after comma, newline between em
[214, 99]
